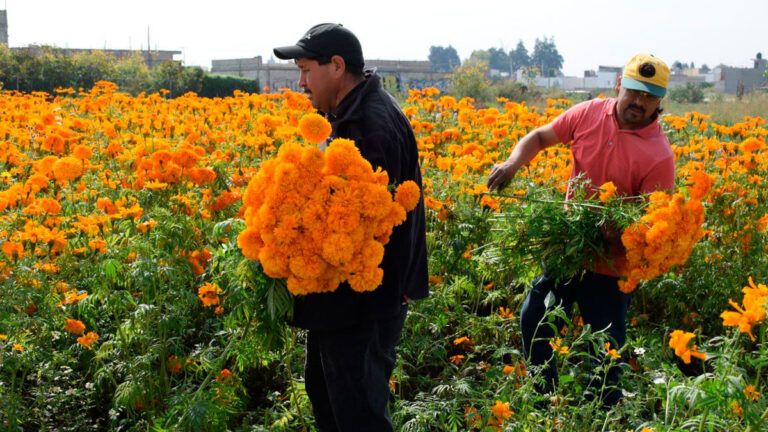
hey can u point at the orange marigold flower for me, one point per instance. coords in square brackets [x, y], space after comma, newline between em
[457, 359]
[753, 312]
[607, 191]
[82, 152]
[73, 296]
[679, 341]
[314, 128]
[173, 365]
[700, 184]
[224, 375]
[751, 393]
[501, 410]
[67, 168]
[76, 327]
[89, 339]
[408, 195]
[208, 293]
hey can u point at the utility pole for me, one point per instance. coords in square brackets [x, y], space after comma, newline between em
[149, 51]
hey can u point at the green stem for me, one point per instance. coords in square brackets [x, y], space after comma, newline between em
[294, 395]
[220, 363]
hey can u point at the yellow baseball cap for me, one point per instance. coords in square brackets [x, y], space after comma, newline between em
[647, 73]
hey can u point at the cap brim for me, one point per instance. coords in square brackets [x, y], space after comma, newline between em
[633, 84]
[292, 52]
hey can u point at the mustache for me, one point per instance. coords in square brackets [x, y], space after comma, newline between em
[637, 107]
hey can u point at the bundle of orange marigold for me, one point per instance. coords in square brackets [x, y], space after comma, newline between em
[321, 218]
[664, 236]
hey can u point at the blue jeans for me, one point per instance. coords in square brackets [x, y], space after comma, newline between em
[347, 374]
[602, 306]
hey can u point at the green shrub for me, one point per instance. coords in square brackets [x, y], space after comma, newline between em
[223, 86]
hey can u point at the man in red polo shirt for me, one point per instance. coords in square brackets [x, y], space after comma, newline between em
[617, 140]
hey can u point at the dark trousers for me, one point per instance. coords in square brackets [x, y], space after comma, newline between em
[602, 306]
[347, 374]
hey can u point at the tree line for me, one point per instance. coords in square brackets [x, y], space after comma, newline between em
[48, 68]
[545, 59]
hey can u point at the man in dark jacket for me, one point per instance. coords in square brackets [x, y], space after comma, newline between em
[352, 336]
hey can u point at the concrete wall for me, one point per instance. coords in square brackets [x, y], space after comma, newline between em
[397, 74]
[751, 78]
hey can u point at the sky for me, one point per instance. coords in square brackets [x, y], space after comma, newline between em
[587, 33]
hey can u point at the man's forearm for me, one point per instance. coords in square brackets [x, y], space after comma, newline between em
[525, 150]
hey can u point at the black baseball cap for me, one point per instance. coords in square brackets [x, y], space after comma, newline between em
[325, 40]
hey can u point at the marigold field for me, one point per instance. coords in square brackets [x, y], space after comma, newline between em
[130, 302]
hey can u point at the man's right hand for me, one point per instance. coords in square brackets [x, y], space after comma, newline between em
[500, 176]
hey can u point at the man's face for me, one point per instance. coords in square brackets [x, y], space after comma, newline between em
[636, 108]
[318, 83]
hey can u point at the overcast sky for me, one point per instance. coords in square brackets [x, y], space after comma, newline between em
[587, 33]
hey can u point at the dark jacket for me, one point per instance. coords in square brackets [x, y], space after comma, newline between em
[372, 118]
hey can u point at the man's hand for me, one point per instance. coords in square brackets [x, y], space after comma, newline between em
[500, 176]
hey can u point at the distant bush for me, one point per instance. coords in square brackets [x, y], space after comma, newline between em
[691, 93]
[221, 86]
[48, 68]
[471, 81]
[515, 91]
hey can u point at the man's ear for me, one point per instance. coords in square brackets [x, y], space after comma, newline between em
[338, 65]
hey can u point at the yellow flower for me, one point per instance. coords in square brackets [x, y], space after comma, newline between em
[558, 347]
[505, 313]
[18, 347]
[611, 352]
[679, 341]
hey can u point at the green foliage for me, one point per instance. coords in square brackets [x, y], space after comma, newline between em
[563, 238]
[443, 59]
[691, 93]
[519, 57]
[470, 81]
[515, 91]
[546, 57]
[222, 86]
[499, 60]
[47, 68]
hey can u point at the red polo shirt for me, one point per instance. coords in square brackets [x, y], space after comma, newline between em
[636, 161]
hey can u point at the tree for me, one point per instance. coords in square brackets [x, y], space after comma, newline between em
[443, 59]
[479, 58]
[546, 57]
[519, 57]
[704, 69]
[469, 81]
[498, 59]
